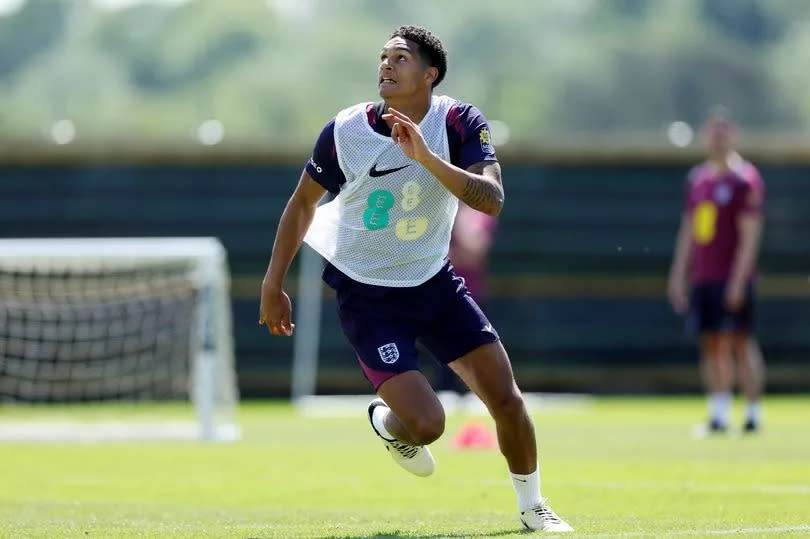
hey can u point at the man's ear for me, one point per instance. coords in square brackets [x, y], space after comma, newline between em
[432, 74]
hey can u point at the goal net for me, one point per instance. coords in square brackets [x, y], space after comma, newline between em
[89, 327]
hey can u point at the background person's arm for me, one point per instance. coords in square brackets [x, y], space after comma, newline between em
[679, 271]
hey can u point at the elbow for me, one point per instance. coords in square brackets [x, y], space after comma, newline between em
[495, 208]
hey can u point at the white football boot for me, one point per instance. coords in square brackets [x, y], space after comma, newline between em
[414, 458]
[542, 518]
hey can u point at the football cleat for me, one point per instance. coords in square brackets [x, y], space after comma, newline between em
[542, 518]
[715, 425]
[750, 427]
[414, 458]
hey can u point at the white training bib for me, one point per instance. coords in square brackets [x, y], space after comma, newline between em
[390, 224]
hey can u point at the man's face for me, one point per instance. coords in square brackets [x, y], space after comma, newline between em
[402, 72]
[720, 134]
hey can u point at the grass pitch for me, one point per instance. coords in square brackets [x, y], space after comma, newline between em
[619, 467]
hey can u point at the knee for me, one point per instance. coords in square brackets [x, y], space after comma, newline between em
[427, 428]
[508, 405]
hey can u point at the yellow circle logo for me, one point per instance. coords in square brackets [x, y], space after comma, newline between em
[704, 222]
[412, 229]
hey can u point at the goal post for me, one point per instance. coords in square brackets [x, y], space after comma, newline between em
[307, 337]
[88, 320]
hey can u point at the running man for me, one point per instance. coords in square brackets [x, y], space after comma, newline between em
[716, 252]
[398, 168]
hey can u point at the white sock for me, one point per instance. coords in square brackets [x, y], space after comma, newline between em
[378, 420]
[754, 411]
[527, 488]
[720, 406]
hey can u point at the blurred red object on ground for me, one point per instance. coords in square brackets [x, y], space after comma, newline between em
[474, 435]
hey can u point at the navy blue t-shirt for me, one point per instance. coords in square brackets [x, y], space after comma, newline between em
[469, 142]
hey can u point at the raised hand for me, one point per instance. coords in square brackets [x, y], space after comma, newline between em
[407, 134]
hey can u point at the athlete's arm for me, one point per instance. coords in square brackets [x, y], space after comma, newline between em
[482, 190]
[677, 285]
[275, 309]
[479, 186]
[750, 232]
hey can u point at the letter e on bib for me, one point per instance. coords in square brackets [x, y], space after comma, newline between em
[412, 229]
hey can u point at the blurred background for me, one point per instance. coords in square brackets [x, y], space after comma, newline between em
[195, 118]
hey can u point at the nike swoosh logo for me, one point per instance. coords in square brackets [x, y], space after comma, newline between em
[521, 480]
[374, 173]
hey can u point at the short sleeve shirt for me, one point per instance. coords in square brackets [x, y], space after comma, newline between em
[469, 141]
[468, 137]
[714, 201]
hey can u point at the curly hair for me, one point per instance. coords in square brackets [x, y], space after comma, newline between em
[430, 47]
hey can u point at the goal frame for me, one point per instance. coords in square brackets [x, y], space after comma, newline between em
[212, 367]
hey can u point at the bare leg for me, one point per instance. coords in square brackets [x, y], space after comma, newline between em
[751, 375]
[716, 360]
[487, 371]
[751, 366]
[724, 363]
[716, 356]
[708, 351]
[417, 416]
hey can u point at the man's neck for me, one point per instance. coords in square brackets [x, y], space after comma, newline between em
[413, 109]
[723, 161]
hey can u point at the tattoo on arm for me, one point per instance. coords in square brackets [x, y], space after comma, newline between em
[484, 192]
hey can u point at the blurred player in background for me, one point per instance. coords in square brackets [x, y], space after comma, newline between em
[715, 255]
[398, 169]
[470, 244]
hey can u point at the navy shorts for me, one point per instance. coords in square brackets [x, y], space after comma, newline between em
[708, 312]
[383, 324]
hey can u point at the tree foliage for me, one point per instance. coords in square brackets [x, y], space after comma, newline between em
[274, 71]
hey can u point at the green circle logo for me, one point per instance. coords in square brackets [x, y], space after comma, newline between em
[376, 215]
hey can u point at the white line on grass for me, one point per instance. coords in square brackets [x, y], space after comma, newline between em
[453, 403]
[701, 487]
[734, 531]
[798, 490]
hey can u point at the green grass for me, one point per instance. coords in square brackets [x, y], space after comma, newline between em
[621, 466]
